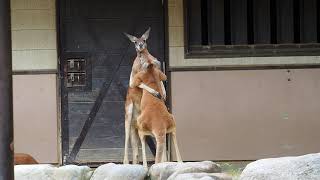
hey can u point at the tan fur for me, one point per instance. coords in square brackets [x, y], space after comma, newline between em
[132, 108]
[154, 118]
[22, 158]
[133, 99]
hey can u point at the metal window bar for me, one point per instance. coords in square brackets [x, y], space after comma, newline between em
[296, 20]
[318, 21]
[227, 22]
[273, 21]
[204, 23]
[276, 40]
[250, 31]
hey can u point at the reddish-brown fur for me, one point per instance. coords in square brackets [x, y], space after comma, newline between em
[133, 98]
[134, 94]
[22, 158]
[151, 107]
[154, 118]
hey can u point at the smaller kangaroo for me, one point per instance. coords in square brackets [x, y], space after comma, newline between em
[154, 119]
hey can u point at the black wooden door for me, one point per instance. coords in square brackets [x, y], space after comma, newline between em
[96, 61]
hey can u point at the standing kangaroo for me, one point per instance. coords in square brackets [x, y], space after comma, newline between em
[154, 119]
[134, 94]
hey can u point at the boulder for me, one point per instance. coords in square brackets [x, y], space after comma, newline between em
[305, 167]
[113, 171]
[162, 171]
[73, 172]
[34, 172]
[49, 172]
[200, 176]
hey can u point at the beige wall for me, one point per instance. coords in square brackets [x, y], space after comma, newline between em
[35, 116]
[176, 48]
[242, 115]
[33, 35]
[246, 115]
[34, 48]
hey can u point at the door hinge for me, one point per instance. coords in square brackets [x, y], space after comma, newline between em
[76, 74]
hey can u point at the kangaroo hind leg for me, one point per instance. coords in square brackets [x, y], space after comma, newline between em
[128, 121]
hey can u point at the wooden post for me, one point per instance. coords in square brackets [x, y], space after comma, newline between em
[6, 118]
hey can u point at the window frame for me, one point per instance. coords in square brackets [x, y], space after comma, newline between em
[246, 50]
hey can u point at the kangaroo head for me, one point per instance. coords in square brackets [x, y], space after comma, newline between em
[139, 43]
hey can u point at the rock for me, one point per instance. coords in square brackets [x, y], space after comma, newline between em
[119, 172]
[200, 176]
[162, 171]
[49, 172]
[34, 172]
[73, 172]
[305, 167]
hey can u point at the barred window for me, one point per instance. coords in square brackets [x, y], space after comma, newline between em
[233, 28]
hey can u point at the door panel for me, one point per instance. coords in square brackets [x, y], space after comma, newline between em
[93, 114]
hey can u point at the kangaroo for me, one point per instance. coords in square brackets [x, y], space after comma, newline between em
[154, 119]
[22, 158]
[133, 98]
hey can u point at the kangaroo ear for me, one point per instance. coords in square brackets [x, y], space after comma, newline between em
[145, 36]
[132, 38]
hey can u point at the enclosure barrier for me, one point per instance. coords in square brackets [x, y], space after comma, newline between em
[6, 122]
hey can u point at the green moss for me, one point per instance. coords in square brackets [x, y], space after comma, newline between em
[234, 169]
